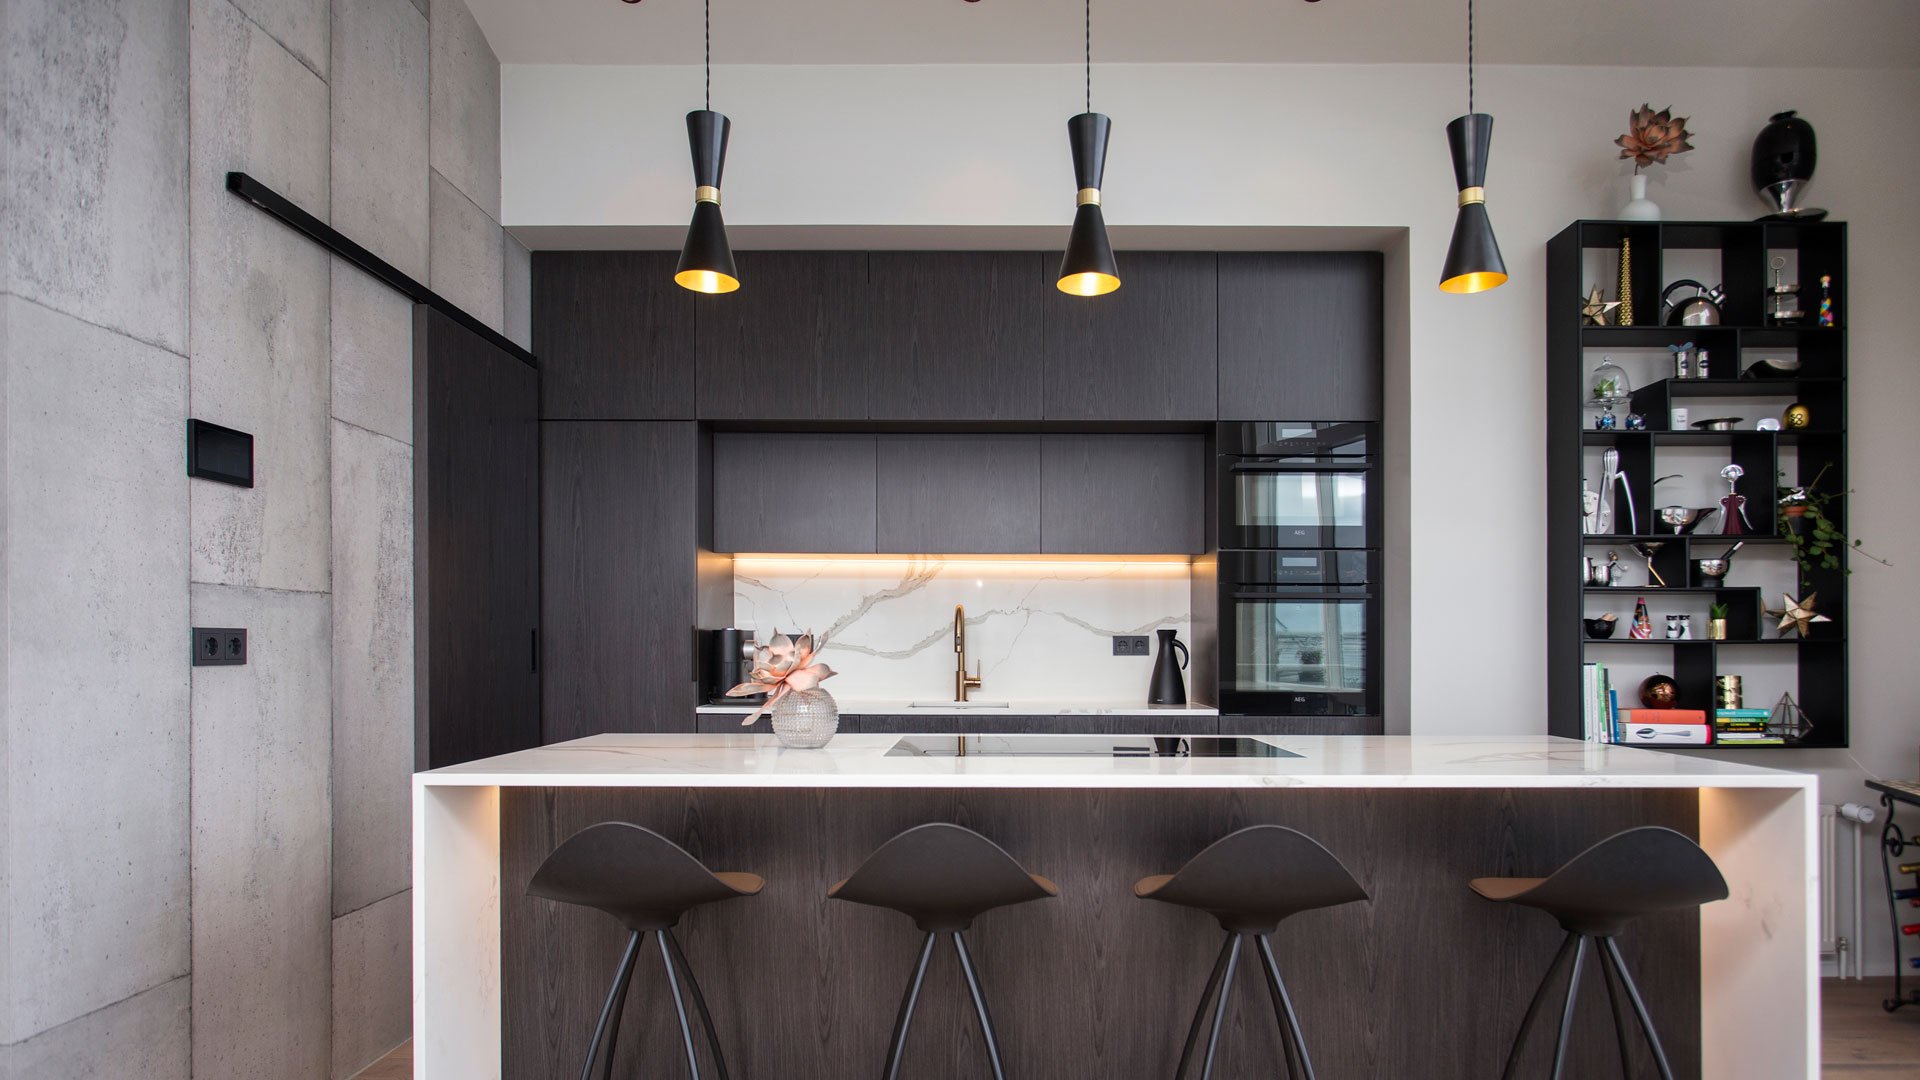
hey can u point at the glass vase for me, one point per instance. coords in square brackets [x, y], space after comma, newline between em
[805, 719]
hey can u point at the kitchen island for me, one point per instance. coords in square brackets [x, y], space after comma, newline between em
[1425, 980]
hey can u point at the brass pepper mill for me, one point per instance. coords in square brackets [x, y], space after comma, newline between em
[1624, 317]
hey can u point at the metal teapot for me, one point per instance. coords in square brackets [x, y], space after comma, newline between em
[1700, 309]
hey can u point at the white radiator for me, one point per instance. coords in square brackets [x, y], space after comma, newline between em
[1830, 939]
[1842, 827]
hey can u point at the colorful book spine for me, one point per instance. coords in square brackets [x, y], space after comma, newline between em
[1743, 714]
[1613, 716]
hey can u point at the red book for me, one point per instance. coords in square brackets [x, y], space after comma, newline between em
[1663, 716]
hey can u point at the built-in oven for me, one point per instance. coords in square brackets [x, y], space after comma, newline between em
[1299, 633]
[1297, 485]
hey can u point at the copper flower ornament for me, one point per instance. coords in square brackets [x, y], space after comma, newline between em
[1653, 137]
[782, 666]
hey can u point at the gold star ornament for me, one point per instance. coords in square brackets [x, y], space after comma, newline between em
[1594, 311]
[1797, 614]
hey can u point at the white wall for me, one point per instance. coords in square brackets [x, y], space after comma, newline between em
[1335, 145]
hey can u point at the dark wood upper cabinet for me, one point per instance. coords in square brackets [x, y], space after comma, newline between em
[619, 509]
[789, 345]
[614, 335]
[1146, 352]
[1300, 336]
[1122, 494]
[954, 336]
[759, 507]
[476, 545]
[959, 494]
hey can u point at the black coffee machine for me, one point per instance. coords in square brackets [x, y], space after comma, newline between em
[728, 657]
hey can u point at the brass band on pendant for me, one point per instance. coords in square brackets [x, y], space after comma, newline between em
[1087, 196]
[1469, 195]
[706, 193]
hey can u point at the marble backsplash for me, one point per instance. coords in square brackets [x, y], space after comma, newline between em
[1040, 630]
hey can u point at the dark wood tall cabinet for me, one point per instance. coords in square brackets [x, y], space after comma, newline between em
[615, 335]
[1145, 353]
[1300, 335]
[476, 546]
[619, 513]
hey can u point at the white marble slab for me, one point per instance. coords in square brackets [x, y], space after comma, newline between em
[932, 706]
[1325, 761]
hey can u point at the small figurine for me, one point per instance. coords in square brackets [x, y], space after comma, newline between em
[1636, 422]
[1797, 417]
[1797, 614]
[1642, 629]
[1682, 360]
[1826, 300]
[1594, 310]
[1606, 421]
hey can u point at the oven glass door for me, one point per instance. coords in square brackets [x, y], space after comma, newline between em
[1299, 653]
[1281, 506]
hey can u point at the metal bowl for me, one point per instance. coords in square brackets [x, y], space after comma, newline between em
[1600, 629]
[1713, 569]
[1683, 519]
[1718, 423]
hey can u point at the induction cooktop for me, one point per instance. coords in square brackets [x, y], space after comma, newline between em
[1116, 746]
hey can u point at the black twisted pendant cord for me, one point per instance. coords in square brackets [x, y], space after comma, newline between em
[1089, 55]
[706, 26]
[1469, 57]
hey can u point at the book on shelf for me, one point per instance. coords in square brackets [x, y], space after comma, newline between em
[1763, 740]
[1668, 734]
[1664, 716]
[1743, 714]
[1599, 704]
[1736, 726]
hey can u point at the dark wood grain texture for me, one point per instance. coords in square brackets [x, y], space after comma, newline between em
[1146, 352]
[614, 335]
[953, 336]
[790, 345]
[476, 500]
[618, 560]
[1300, 335]
[794, 492]
[1236, 724]
[1122, 494]
[959, 494]
[1424, 981]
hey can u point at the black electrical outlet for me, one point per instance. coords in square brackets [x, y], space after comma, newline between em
[1129, 645]
[219, 646]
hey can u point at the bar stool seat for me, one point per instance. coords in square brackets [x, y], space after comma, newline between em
[647, 882]
[1594, 897]
[1250, 881]
[943, 877]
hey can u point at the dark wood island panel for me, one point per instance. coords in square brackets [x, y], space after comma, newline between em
[1427, 981]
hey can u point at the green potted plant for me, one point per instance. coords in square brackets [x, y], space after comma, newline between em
[1808, 526]
[1716, 622]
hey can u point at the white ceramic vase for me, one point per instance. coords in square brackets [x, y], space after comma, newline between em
[1639, 208]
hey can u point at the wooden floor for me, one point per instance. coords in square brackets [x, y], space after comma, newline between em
[1861, 1040]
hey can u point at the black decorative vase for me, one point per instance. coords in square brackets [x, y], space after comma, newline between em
[1784, 154]
[1168, 687]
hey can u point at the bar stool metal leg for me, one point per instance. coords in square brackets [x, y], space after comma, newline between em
[1220, 1007]
[1566, 1011]
[897, 1049]
[616, 1002]
[1533, 1007]
[1616, 1005]
[979, 1004]
[1200, 1010]
[613, 1022]
[1610, 953]
[679, 1008]
[699, 1003]
[1296, 1044]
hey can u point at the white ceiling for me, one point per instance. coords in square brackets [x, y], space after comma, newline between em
[1713, 33]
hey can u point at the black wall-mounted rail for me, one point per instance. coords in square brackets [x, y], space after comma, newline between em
[323, 234]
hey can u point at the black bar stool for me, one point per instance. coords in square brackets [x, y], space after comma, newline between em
[943, 877]
[1593, 897]
[1250, 880]
[647, 882]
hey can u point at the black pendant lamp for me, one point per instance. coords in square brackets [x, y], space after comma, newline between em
[1473, 258]
[1088, 268]
[706, 262]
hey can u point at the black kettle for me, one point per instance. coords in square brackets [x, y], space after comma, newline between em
[1700, 309]
[1168, 688]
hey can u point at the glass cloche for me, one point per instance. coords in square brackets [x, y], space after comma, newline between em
[1609, 385]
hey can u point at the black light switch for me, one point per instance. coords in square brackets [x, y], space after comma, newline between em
[218, 453]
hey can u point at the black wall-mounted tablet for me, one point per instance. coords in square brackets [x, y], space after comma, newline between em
[217, 453]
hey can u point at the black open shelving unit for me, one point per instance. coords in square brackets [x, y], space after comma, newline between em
[1743, 250]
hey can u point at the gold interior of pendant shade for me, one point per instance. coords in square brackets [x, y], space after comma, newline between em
[706, 281]
[1088, 284]
[1476, 281]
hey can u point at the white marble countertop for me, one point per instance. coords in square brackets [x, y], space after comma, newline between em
[1350, 761]
[933, 706]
